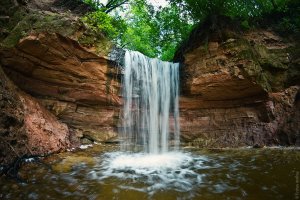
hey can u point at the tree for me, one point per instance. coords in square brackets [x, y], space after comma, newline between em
[243, 9]
[143, 31]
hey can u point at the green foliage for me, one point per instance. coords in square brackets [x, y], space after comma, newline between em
[142, 31]
[289, 18]
[154, 32]
[157, 32]
[110, 26]
[102, 21]
[174, 29]
[94, 4]
[243, 9]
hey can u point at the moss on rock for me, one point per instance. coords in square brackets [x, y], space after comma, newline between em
[23, 22]
[36, 22]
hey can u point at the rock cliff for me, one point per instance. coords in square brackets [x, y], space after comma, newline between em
[239, 87]
[53, 62]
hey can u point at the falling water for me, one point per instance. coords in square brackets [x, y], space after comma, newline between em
[150, 112]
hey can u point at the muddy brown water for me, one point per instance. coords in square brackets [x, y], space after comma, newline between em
[223, 174]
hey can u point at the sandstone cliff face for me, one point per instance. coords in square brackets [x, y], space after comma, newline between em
[58, 65]
[76, 85]
[239, 88]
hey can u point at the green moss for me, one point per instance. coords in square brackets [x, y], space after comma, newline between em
[263, 80]
[266, 66]
[294, 51]
[22, 24]
[247, 54]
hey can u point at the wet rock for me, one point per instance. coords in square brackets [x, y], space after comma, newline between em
[71, 161]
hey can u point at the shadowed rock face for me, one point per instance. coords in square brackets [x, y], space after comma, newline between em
[26, 127]
[239, 88]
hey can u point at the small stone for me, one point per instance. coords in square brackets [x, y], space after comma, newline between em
[15, 186]
[241, 77]
[86, 141]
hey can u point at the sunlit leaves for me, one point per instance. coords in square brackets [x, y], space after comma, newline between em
[102, 21]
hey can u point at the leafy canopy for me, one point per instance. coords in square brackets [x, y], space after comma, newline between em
[157, 31]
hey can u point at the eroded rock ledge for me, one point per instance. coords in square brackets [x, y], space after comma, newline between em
[79, 87]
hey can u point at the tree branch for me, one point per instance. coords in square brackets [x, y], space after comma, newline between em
[111, 7]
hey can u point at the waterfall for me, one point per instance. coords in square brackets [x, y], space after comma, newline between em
[150, 117]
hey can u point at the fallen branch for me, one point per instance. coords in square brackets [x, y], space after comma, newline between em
[12, 148]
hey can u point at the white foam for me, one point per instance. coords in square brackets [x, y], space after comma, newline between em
[139, 161]
[173, 170]
[85, 146]
[29, 160]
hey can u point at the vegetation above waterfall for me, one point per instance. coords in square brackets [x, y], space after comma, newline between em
[157, 31]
